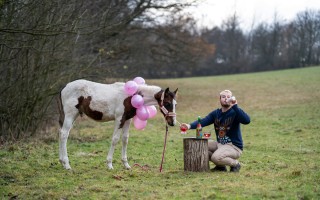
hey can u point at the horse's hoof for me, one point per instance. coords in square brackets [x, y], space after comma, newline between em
[127, 166]
[110, 167]
[65, 164]
[68, 168]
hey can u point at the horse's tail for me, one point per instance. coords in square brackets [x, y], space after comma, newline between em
[61, 112]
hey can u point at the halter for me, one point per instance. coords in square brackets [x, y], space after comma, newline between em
[164, 110]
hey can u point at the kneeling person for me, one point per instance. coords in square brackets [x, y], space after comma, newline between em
[229, 145]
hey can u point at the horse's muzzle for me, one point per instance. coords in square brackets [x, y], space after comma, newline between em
[170, 121]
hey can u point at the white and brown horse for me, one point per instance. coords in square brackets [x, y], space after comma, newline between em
[106, 102]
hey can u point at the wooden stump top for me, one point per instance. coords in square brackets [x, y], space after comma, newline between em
[196, 138]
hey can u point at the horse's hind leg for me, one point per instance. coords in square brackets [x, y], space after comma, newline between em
[115, 140]
[64, 133]
[125, 138]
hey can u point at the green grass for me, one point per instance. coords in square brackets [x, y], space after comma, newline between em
[280, 158]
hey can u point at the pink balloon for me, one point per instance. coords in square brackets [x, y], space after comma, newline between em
[142, 113]
[130, 87]
[137, 101]
[138, 123]
[152, 111]
[139, 80]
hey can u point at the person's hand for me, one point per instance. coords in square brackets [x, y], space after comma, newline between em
[232, 101]
[185, 125]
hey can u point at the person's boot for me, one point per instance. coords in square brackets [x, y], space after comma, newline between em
[219, 169]
[235, 168]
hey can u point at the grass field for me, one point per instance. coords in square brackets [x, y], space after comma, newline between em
[280, 158]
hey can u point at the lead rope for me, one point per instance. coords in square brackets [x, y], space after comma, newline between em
[165, 111]
[164, 148]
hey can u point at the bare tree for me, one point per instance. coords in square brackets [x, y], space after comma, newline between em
[230, 45]
[267, 45]
[307, 36]
[44, 44]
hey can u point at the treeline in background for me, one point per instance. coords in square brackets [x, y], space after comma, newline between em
[44, 44]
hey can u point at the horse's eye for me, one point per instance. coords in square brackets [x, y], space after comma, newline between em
[166, 104]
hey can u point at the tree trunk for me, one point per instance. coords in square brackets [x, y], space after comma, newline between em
[196, 157]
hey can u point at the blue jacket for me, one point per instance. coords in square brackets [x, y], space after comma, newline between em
[226, 124]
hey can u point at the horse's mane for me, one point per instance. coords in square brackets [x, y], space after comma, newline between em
[148, 90]
[148, 93]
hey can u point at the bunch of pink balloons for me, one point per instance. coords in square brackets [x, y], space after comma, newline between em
[143, 112]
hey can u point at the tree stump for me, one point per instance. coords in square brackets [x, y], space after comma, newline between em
[196, 157]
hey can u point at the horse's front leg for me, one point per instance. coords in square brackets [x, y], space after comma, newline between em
[125, 138]
[115, 140]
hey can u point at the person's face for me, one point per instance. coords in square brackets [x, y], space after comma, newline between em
[223, 99]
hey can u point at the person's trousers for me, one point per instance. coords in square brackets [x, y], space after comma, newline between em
[223, 154]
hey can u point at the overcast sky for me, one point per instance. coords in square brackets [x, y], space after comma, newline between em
[212, 12]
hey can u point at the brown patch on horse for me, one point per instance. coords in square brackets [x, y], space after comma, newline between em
[129, 111]
[168, 96]
[84, 107]
[157, 96]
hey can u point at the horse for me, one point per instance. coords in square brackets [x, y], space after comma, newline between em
[107, 102]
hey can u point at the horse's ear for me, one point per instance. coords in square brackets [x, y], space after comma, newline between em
[176, 94]
[167, 90]
[176, 91]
